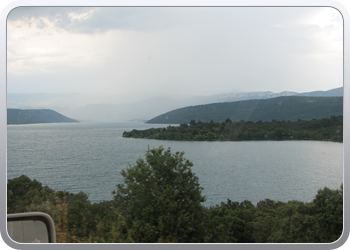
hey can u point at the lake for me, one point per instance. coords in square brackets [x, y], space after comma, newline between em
[89, 157]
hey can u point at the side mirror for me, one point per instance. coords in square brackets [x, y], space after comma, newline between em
[33, 227]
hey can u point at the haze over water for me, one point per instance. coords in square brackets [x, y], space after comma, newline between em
[89, 157]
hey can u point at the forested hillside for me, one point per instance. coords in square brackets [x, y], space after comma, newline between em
[26, 116]
[285, 108]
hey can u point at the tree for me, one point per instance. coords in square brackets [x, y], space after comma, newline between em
[184, 125]
[328, 209]
[161, 198]
[210, 136]
[192, 123]
[22, 192]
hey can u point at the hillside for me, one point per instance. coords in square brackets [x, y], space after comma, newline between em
[26, 116]
[280, 108]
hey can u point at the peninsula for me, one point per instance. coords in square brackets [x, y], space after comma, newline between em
[330, 129]
[28, 116]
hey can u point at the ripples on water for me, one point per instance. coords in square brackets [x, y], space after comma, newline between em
[89, 157]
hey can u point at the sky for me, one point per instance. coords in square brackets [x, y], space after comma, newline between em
[178, 50]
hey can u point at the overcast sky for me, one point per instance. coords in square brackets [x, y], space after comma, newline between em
[197, 50]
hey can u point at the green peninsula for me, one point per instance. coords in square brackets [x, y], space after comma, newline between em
[28, 116]
[330, 129]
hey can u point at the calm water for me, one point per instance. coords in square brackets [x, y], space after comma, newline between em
[89, 157]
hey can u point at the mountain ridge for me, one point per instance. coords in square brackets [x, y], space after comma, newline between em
[134, 106]
[280, 108]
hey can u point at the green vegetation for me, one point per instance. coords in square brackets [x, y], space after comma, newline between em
[330, 129]
[160, 201]
[161, 198]
[280, 108]
[26, 116]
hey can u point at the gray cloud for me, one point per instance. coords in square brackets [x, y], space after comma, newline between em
[155, 18]
[25, 13]
[198, 50]
[103, 19]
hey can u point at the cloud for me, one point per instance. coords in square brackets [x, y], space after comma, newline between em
[102, 19]
[198, 50]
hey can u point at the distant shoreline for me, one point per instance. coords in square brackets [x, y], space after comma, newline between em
[325, 129]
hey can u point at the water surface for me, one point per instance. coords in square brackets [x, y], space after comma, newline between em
[89, 157]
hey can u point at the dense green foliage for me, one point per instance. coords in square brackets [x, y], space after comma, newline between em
[162, 198]
[322, 129]
[280, 108]
[26, 116]
[160, 201]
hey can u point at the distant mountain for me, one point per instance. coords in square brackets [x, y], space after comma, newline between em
[280, 108]
[74, 100]
[151, 107]
[232, 97]
[26, 116]
[332, 92]
[105, 112]
[133, 106]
